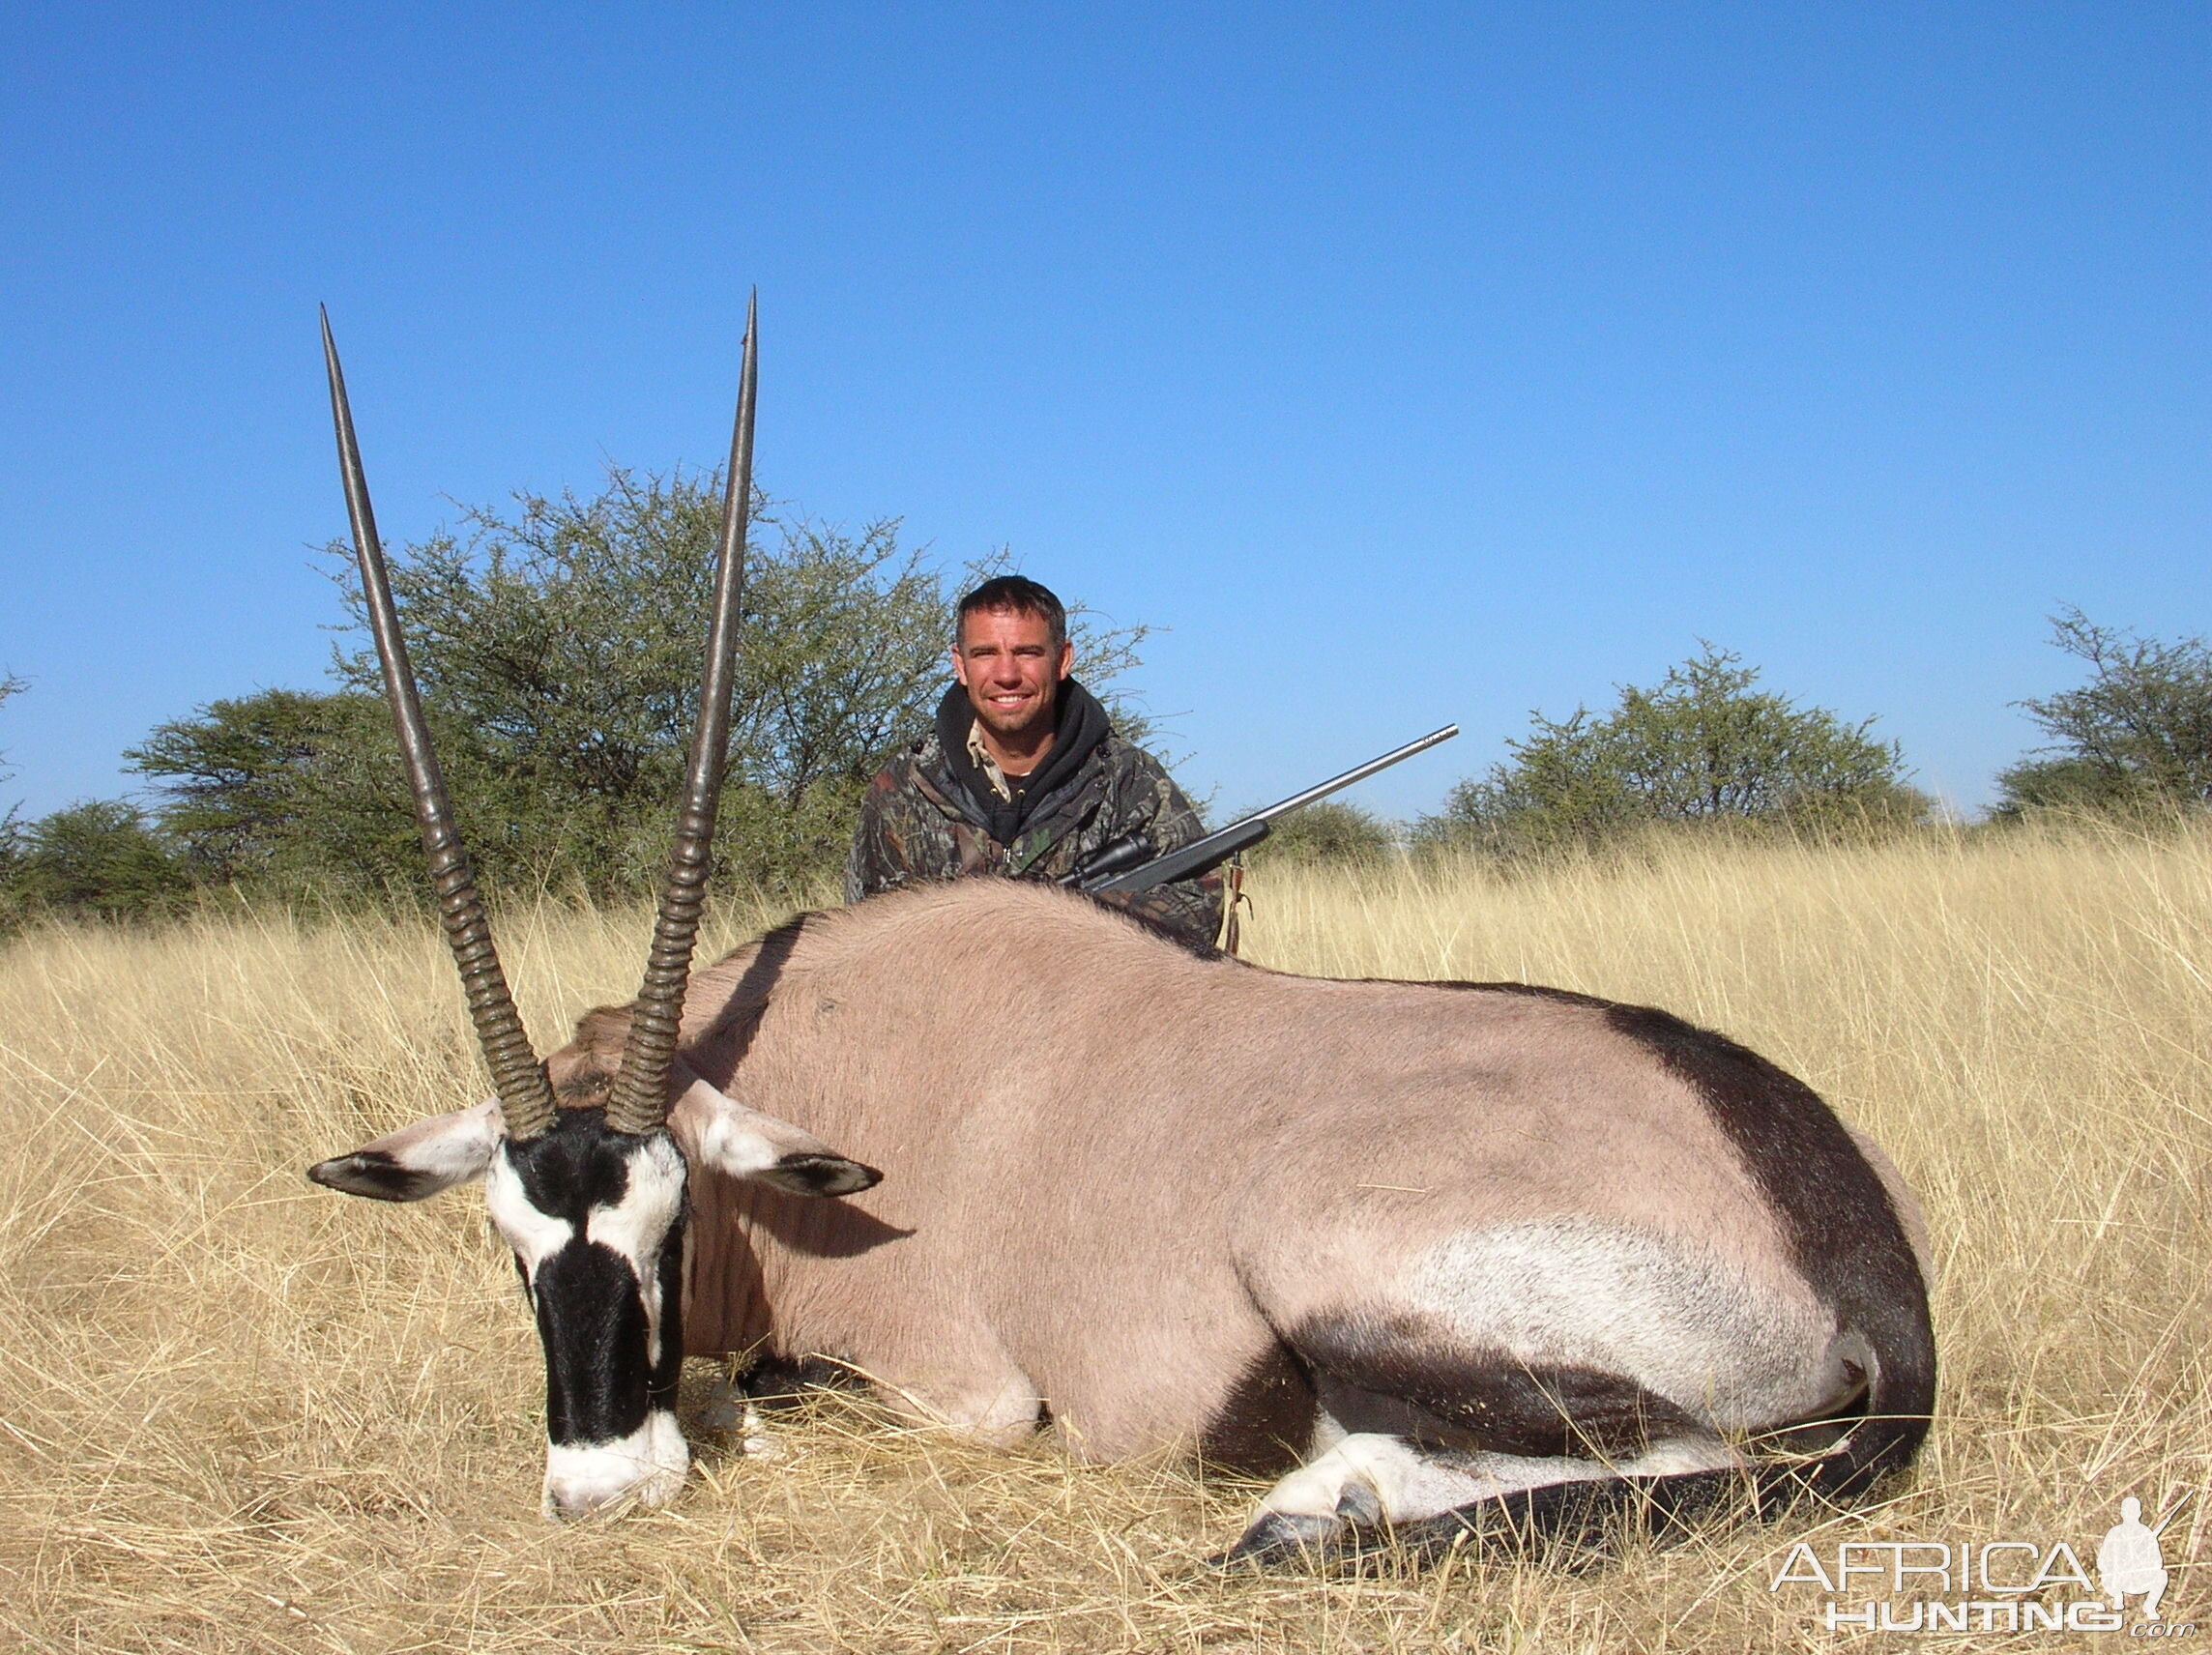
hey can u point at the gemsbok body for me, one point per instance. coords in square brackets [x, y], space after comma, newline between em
[1446, 1257]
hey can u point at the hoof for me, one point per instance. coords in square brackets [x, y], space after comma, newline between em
[1278, 1537]
[1359, 1505]
[727, 1410]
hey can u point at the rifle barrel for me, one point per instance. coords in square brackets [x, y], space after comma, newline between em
[1358, 773]
[1220, 845]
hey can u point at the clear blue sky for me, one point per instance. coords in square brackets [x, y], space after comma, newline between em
[1410, 364]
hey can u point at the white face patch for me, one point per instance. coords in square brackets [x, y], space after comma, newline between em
[647, 1466]
[637, 1226]
[534, 1235]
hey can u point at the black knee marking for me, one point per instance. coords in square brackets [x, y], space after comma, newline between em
[1263, 1426]
[775, 1383]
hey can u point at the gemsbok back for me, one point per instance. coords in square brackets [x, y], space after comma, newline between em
[1447, 1258]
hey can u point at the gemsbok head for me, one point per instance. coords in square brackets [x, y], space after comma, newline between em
[591, 1198]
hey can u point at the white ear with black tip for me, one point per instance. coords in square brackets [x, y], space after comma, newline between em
[420, 1159]
[714, 1130]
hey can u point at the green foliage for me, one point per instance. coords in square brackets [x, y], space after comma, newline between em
[289, 790]
[1704, 747]
[102, 860]
[558, 647]
[562, 642]
[1331, 832]
[96, 860]
[2137, 737]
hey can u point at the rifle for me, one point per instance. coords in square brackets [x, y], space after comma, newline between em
[1129, 863]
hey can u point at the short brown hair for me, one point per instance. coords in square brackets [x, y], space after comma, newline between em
[1019, 595]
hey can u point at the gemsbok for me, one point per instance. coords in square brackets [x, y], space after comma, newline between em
[1448, 1258]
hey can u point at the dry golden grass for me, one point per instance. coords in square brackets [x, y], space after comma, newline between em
[237, 1413]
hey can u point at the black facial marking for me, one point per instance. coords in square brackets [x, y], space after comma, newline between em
[592, 1321]
[662, 1377]
[375, 1175]
[574, 1167]
[589, 1309]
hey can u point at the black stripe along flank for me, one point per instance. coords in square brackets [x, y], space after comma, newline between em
[1844, 1237]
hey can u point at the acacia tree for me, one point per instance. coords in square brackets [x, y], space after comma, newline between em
[1704, 745]
[2137, 736]
[558, 645]
[288, 789]
[562, 639]
[1333, 832]
[101, 859]
[10, 686]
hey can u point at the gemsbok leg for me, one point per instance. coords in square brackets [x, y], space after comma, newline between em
[1626, 1362]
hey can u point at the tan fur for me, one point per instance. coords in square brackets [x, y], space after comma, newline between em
[1104, 1154]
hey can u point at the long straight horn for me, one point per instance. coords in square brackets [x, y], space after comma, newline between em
[525, 1098]
[640, 1100]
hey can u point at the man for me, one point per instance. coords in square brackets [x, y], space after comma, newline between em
[1023, 776]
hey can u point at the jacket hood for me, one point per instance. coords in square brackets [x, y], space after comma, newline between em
[1079, 724]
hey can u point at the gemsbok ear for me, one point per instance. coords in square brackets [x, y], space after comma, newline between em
[417, 1160]
[714, 1130]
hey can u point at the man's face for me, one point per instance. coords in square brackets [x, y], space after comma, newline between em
[1011, 671]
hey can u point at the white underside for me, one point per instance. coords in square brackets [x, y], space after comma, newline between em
[647, 1466]
[1739, 1352]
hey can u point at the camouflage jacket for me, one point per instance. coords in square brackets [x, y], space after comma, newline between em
[921, 821]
